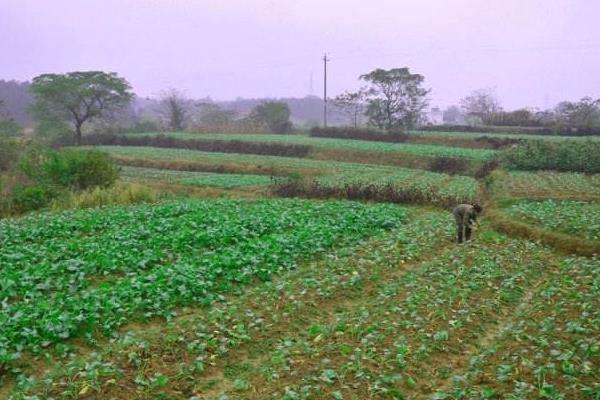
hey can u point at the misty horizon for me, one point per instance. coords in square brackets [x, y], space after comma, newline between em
[534, 54]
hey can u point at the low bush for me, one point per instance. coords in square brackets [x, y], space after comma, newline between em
[575, 156]
[449, 165]
[373, 135]
[210, 145]
[27, 198]
[70, 168]
[521, 130]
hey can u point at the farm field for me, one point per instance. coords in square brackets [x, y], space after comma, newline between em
[467, 135]
[546, 184]
[567, 216]
[433, 187]
[303, 299]
[94, 270]
[225, 181]
[400, 314]
[419, 150]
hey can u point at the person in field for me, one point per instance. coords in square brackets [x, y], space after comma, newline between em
[466, 217]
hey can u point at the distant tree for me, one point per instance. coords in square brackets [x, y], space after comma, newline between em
[583, 113]
[452, 115]
[274, 114]
[352, 104]
[175, 109]
[17, 100]
[481, 104]
[213, 115]
[395, 98]
[520, 117]
[78, 97]
[8, 126]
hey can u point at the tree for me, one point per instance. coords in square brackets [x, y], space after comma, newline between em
[78, 97]
[482, 104]
[214, 116]
[395, 98]
[352, 104]
[174, 109]
[8, 126]
[584, 113]
[274, 114]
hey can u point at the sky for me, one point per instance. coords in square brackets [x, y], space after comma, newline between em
[530, 52]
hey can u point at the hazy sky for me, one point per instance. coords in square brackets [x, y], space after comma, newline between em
[533, 52]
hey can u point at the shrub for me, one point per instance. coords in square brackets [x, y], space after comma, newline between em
[575, 156]
[374, 135]
[74, 169]
[28, 198]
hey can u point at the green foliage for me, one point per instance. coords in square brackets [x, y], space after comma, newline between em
[69, 168]
[421, 150]
[576, 156]
[10, 128]
[275, 115]
[395, 98]
[568, 216]
[155, 258]
[226, 181]
[78, 97]
[9, 153]
[545, 184]
[27, 198]
[119, 194]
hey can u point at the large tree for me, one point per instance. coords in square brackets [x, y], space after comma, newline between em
[584, 113]
[78, 97]
[214, 116]
[274, 114]
[481, 104]
[396, 98]
[175, 109]
[352, 104]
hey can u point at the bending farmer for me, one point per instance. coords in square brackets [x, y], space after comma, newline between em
[466, 216]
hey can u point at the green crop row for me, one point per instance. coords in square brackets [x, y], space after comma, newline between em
[225, 181]
[419, 150]
[567, 216]
[76, 273]
[434, 187]
[550, 350]
[546, 184]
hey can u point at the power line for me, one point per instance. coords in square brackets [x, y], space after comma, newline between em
[325, 61]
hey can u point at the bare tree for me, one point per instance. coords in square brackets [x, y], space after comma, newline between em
[174, 109]
[482, 104]
[352, 104]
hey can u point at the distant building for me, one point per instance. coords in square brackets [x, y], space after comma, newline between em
[436, 117]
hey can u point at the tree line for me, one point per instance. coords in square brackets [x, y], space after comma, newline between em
[392, 100]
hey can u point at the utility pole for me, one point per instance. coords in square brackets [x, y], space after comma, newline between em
[325, 61]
